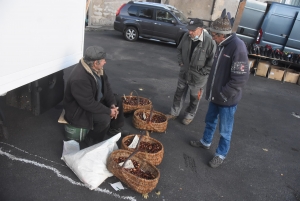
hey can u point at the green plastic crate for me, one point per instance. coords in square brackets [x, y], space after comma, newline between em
[74, 133]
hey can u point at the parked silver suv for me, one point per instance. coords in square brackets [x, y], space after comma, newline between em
[150, 20]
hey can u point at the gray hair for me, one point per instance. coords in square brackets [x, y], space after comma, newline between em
[89, 63]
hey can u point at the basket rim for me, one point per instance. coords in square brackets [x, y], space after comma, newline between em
[154, 112]
[136, 96]
[155, 140]
[138, 158]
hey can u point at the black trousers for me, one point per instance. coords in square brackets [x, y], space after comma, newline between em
[103, 122]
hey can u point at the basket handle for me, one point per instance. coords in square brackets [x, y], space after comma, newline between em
[137, 95]
[144, 133]
[133, 153]
[147, 133]
[150, 116]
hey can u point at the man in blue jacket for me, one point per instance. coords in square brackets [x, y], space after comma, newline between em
[229, 74]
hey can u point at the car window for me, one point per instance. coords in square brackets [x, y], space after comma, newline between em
[180, 16]
[164, 16]
[132, 10]
[145, 13]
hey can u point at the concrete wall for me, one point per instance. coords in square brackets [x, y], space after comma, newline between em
[205, 9]
[103, 12]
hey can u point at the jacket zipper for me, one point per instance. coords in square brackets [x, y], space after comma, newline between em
[188, 72]
[187, 80]
[213, 80]
[96, 94]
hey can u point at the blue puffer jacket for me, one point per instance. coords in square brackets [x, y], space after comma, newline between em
[229, 72]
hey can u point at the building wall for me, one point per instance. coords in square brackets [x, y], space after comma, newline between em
[103, 12]
[207, 10]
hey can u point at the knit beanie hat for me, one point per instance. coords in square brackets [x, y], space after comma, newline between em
[221, 25]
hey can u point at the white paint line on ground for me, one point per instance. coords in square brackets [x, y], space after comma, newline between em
[14, 158]
[32, 154]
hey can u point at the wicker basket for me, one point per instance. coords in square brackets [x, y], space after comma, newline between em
[148, 125]
[131, 108]
[136, 183]
[153, 158]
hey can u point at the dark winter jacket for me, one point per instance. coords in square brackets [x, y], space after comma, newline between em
[201, 61]
[81, 94]
[229, 73]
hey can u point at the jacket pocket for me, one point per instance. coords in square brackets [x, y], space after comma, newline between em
[223, 97]
[200, 62]
[202, 70]
[197, 78]
[182, 73]
[75, 113]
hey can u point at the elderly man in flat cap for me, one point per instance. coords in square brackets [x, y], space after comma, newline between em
[195, 57]
[89, 101]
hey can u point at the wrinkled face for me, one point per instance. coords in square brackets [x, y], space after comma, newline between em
[217, 37]
[196, 32]
[98, 65]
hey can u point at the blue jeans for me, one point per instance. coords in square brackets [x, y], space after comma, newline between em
[226, 118]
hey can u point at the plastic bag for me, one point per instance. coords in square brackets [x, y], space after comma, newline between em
[89, 164]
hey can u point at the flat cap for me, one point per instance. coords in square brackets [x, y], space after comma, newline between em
[94, 53]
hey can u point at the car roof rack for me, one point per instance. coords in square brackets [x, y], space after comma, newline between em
[166, 6]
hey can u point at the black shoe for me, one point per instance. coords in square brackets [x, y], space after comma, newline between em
[89, 141]
[198, 144]
[112, 132]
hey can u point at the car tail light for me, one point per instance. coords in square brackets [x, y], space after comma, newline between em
[119, 10]
[259, 36]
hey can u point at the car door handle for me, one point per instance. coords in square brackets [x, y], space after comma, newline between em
[283, 35]
[138, 20]
[157, 23]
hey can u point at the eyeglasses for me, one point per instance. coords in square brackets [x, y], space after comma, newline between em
[213, 35]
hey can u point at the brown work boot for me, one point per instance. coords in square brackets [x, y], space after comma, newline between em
[216, 162]
[187, 121]
[198, 144]
[170, 117]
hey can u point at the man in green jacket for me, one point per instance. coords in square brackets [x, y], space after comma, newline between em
[195, 56]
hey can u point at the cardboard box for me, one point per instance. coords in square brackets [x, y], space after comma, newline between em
[262, 68]
[251, 63]
[291, 76]
[276, 73]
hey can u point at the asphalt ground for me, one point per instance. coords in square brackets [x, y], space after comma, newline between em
[263, 163]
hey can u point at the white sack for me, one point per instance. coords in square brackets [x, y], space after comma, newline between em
[70, 147]
[89, 164]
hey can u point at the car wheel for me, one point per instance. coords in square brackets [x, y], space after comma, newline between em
[274, 62]
[131, 34]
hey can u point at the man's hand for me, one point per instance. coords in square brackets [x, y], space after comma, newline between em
[114, 112]
[199, 94]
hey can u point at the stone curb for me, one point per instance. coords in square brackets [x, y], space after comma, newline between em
[97, 28]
